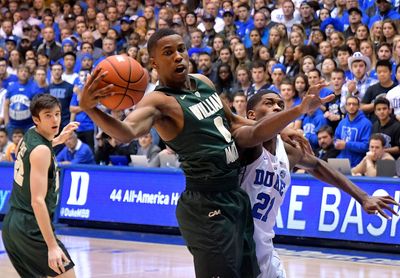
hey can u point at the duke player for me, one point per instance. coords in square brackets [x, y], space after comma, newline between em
[266, 178]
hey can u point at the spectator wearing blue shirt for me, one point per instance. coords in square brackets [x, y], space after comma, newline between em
[260, 23]
[85, 130]
[385, 11]
[18, 99]
[312, 122]
[63, 91]
[244, 21]
[75, 152]
[353, 132]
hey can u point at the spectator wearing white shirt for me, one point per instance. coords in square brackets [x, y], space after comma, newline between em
[394, 95]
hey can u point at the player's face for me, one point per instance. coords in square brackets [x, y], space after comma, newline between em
[48, 122]
[269, 104]
[171, 61]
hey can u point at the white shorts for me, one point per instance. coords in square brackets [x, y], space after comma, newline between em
[271, 266]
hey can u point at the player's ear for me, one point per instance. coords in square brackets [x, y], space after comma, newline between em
[251, 115]
[36, 120]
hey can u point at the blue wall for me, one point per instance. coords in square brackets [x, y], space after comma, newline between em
[149, 196]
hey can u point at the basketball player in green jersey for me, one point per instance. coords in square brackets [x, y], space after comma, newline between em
[28, 234]
[213, 212]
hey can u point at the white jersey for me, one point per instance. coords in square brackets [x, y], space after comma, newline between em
[394, 98]
[266, 181]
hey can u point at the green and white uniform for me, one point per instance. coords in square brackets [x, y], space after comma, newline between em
[213, 212]
[22, 238]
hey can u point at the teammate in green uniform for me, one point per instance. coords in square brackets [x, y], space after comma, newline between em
[28, 233]
[213, 212]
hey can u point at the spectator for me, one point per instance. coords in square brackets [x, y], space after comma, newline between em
[263, 27]
[258, 75]
[326, 148]
[15, 138]
[224, 79]
[75, 152]
[4, 143]
[332, 109]
[50, 46]
[353, 132]
[63, 91]
[387, 126]
[240, 104]
[359, 66]
[278, 74]
[394, 95]
[18, 98]
[385, 84]
[367, 166]
[156, 162]
[311, 124]
[69, 75]
[5, 77]
[147, 148]
[385, 11]
[107, 146]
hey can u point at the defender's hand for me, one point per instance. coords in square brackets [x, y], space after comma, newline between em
[91, 95]
[377, 204]
[312, 100]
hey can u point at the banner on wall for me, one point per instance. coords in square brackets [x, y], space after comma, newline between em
[149, 197]
[132, 197]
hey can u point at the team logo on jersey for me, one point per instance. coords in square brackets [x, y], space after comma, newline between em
[282, 174]
[197, 94]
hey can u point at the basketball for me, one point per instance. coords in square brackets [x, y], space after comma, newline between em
[129, 80]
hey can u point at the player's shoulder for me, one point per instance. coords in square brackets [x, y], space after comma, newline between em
[203, 78]
[40, 153]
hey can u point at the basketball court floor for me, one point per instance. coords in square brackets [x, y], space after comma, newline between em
[119, 254]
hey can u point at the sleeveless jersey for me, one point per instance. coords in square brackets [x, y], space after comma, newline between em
[21, 194]
[266, 181]
[205, 146]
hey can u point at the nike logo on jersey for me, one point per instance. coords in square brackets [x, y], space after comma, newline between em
[183, 97]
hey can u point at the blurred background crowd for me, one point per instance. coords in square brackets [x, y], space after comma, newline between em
[243, 46]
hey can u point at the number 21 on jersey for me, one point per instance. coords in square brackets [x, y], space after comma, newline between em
[261, 209]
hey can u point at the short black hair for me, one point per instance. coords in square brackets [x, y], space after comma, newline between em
[254, 100]
[345, 48]
[258, 64]
[70, 54]
[4, 130]
[384, 63]
[41, 102]
[339, 70]
[326, 128]
[381, 100]
[159, 34]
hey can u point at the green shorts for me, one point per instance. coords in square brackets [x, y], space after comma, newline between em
[26, 247]
[218, 230]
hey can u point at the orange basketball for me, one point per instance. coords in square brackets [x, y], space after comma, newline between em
[129, 80]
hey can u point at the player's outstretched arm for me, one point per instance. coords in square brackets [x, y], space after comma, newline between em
[138, 123]
[271, 125]
[322, 171]
[40, 159]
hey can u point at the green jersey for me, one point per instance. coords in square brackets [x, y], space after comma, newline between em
[21, 194]
[205, 146]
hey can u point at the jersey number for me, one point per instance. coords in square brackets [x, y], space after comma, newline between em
[265, 204]
[219, 124]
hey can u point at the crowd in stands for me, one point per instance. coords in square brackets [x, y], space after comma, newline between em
[243, 46]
